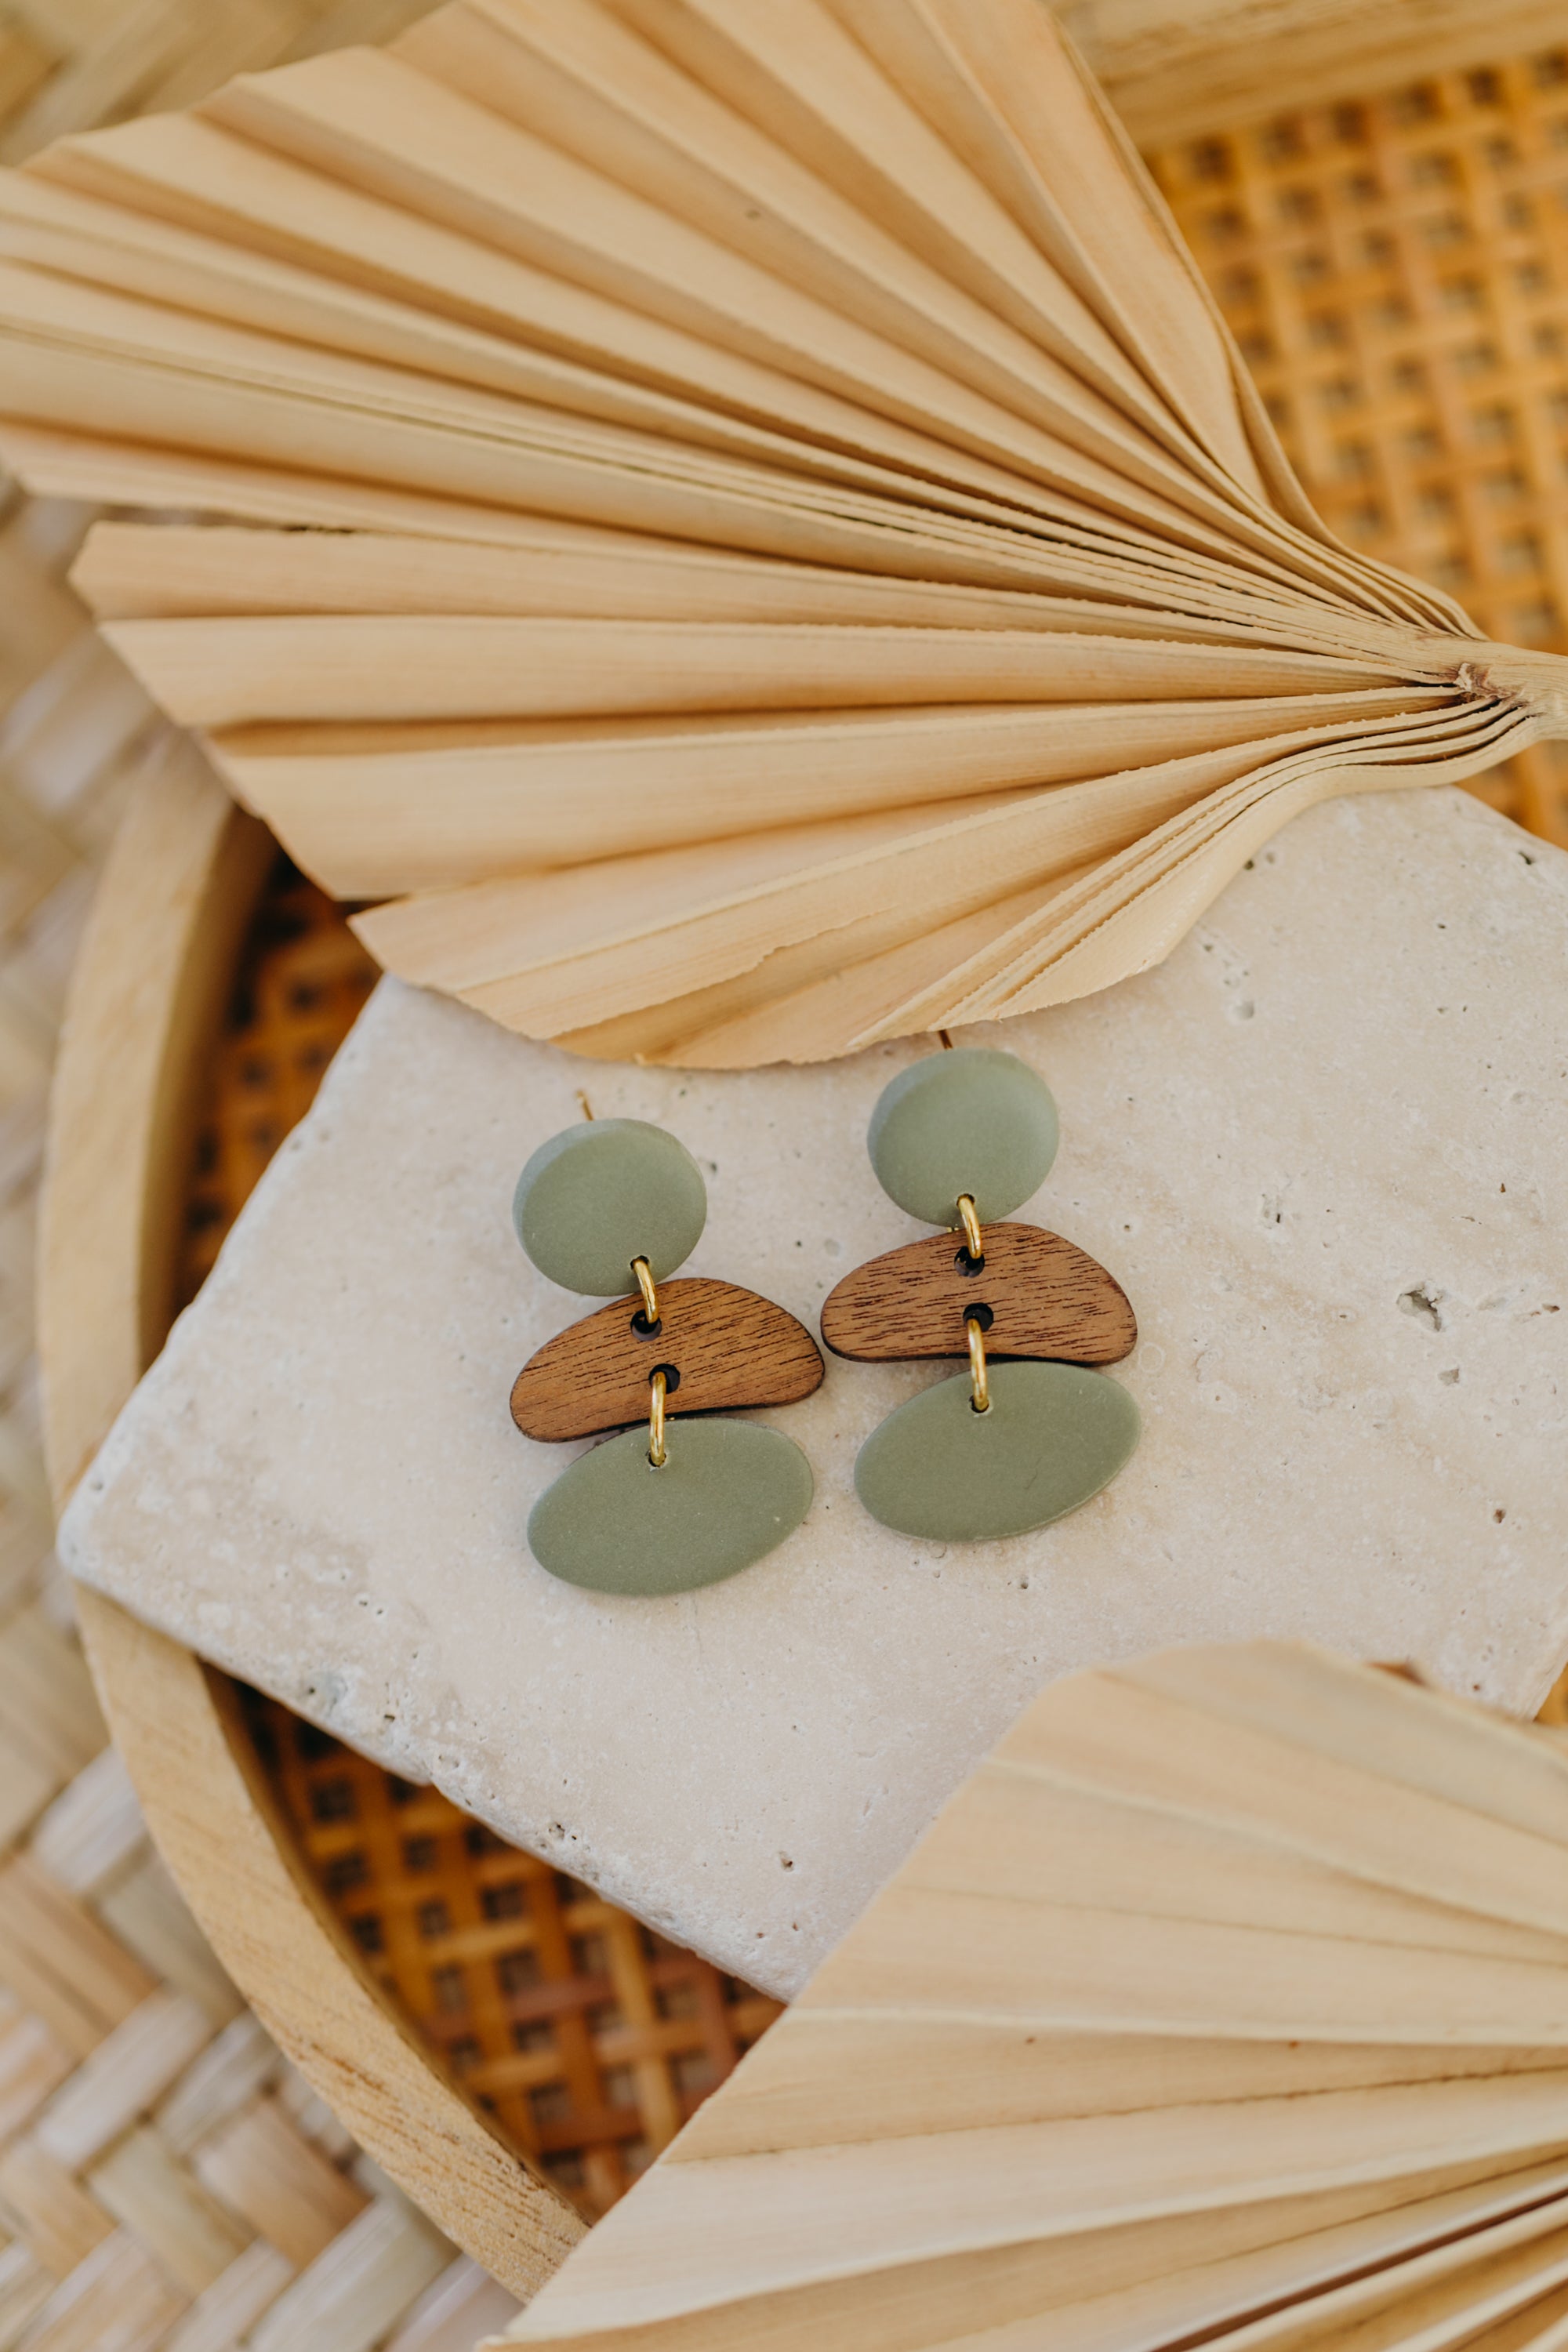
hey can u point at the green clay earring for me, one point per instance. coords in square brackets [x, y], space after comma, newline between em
[617, 1205]
[959, 1139]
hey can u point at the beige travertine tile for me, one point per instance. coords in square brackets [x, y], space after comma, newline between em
[1324, 1147]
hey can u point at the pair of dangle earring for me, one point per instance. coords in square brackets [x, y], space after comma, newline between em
[1030, 1431]
[616, 1206]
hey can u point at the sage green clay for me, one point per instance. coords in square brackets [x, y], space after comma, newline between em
[972, 1120]
[1055, 1435]
[728, 1492]
[598, 1195]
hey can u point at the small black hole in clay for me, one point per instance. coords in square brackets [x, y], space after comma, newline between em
[643, 1328]
[672, 1378]
[980, 1315]
[967, 1265]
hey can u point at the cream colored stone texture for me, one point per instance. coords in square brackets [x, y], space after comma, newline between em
[1325, 1150]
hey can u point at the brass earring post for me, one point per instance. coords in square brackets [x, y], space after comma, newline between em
[656, 1448]
[979, 1384]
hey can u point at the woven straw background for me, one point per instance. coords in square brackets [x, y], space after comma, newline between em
[165, 2179]
[590, 2039]
[1399, 274]
[1396, 274]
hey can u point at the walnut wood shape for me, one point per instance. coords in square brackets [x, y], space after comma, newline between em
[1047, 1298]
[730, 1347]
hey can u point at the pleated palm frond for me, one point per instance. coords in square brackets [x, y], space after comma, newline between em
[1226, 2005]
[735, 522]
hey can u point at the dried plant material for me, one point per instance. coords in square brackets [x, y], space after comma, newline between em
[1223, 2005]
[733, 522]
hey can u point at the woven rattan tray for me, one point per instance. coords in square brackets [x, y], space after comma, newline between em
[1397, 269]
[485, 2026]
[587, 2038]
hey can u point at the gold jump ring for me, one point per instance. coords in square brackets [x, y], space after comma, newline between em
[656, 1452]
[979, 1385]
[970, 1224]
[644, 1273]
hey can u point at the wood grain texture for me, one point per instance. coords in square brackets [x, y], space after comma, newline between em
[1047, 1298]
[148, 990]
[730, 1349]
[1224, 2004]
[1182, 72]
[147, 995]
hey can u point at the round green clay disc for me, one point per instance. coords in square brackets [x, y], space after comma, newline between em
[972, 1121]
[598, 1195]
[729, 1491]
[1055, 1435]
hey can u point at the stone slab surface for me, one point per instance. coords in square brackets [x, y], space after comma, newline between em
[1325, 1149]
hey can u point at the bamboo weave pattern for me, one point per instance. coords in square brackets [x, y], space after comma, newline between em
[588, 2037]
[167, 2182]
[1397, 275]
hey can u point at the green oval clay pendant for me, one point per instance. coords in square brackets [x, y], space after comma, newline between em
[729, 1491]
[1054, 1435]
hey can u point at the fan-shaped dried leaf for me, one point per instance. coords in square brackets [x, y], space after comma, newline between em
[1228, 2004]
[736, 521]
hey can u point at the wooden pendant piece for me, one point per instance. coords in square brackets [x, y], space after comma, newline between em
[1047, 1298]
[728, 1347]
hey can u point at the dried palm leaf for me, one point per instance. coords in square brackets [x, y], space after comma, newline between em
[735, 520]
[1225, 2005]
